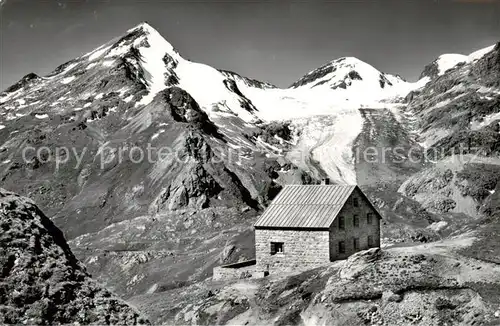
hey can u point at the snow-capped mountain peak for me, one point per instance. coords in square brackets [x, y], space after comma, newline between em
[342, 73]
[347, 78]
[155, 60]
[449, 61]
[145, 26]
[152, 56]
[142, 35]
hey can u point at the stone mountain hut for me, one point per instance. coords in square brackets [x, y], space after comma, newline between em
[307, 226]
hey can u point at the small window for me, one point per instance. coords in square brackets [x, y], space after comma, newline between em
[341, 223]
[369, 218]
[355, 202]
[341, 247]
[356, 243]
[355, 221]
[276, 247]
[370, 241]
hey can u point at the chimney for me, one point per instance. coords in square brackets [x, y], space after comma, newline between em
[325, 181]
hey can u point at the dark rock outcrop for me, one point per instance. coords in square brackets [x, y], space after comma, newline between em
[184, 108]
[316, 74]
[248, 81]
[488, 68]
[26, 80]
[41, 281]
[431, 71]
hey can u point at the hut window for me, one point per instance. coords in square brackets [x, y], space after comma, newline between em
[341, 223]
[355, 202]
[355, 221]
[370, 241]
[369, 218]
[356, 244]
[276, 247]
[341, 247]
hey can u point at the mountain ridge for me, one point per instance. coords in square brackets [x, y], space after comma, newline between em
[151, 30]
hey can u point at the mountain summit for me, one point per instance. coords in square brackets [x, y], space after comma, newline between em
[345, 73]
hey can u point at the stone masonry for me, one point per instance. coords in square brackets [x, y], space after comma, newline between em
[351, 232]
[225, 273]
[302, 249]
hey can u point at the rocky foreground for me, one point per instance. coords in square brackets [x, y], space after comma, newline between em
[41, 281]
[422, 285]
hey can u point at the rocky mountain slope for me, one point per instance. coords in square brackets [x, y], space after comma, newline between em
[155, 167]
[457, 117]
[41, 281]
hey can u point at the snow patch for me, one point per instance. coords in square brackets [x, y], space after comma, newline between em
[480, 53]
[157, 134]
[98, 52]
[438, 226]
[122, 91]
[476, 125]
[128, 98]
[41, 116]
[66, 70]
[91, 65]
[68, 80]
[432, 136]
[108, 63]
[8, 96]
[2, 127]
[118, 51]
[268, 146]
[449, 61]
[10, 117]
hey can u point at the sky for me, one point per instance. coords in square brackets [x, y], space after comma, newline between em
[274, 41]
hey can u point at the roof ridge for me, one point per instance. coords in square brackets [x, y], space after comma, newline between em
[304, 207]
